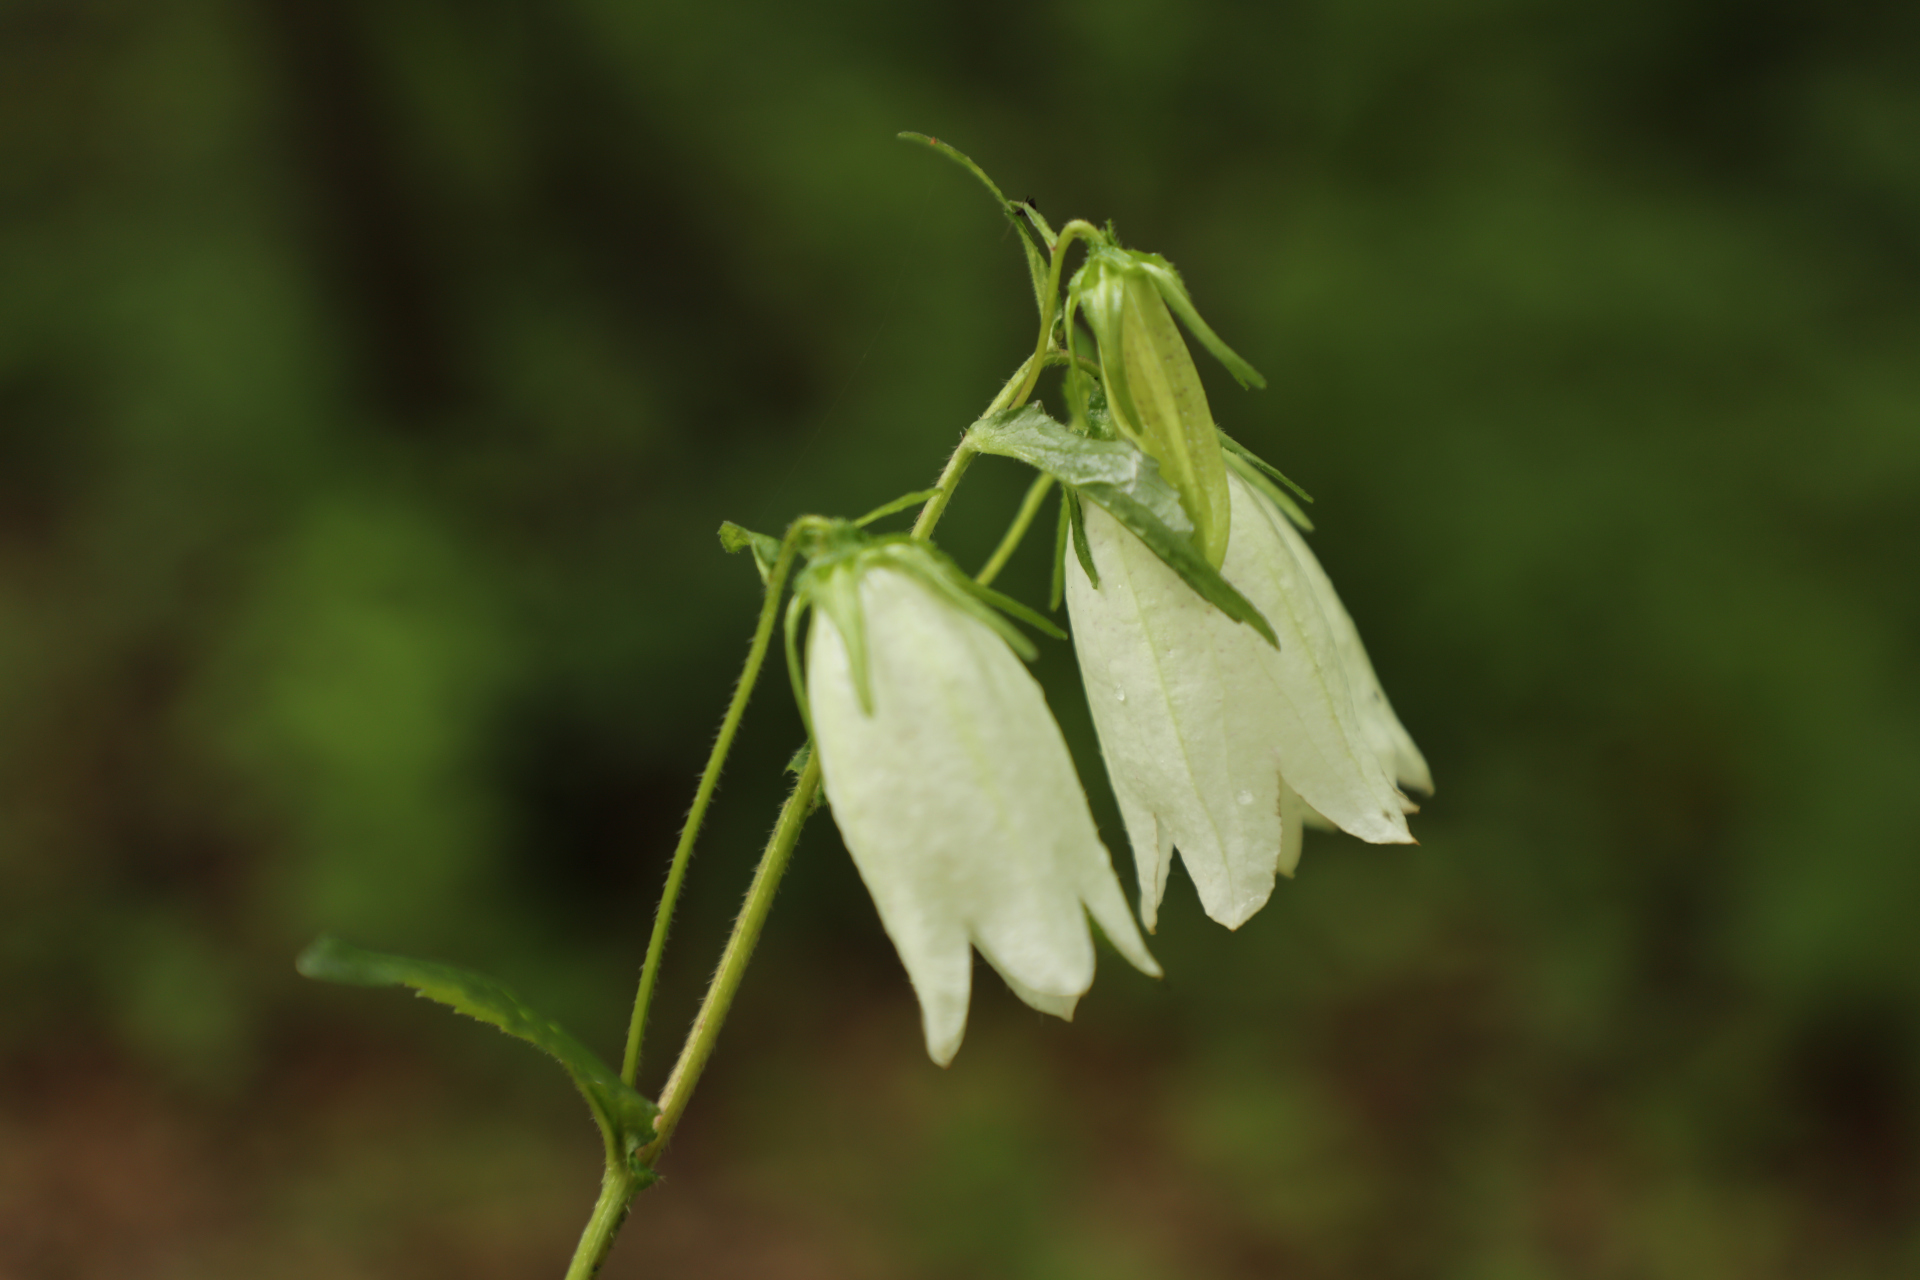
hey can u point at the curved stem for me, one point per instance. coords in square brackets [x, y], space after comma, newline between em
[683, 852]
[733, 961]
[1078, 229]
[1036, 494]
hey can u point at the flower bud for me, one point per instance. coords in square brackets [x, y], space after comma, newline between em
[1152, 386]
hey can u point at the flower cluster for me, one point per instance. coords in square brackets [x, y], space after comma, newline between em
[1233, 699]
[1234, 702]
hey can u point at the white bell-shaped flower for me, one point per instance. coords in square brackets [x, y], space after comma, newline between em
[956, 796]
[1217, 743]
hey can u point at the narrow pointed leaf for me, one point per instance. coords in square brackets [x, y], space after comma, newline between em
[625, 1118]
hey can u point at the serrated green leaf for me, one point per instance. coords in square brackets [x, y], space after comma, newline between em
[766, 551]
[1128, 486]
[1179, 555]
[625, 1118]
[1029, 435]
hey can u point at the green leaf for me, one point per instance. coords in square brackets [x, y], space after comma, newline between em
[766, 550]
[1127, 485]
[1180, 555]
[1029, 435]
[625, 1118]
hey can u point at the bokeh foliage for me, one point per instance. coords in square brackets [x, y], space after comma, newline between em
[374, 376]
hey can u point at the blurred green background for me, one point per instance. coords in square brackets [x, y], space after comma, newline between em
[373, 377]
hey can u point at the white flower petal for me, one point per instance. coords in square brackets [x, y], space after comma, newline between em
[961, 808]
[1200, 719]
[1382, 729]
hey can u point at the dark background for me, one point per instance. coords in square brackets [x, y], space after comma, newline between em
[373, 377]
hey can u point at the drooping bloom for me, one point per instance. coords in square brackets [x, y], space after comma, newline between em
[1216, 742]
[956, 796]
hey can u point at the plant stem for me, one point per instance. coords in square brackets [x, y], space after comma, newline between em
[1078, 229]
[1036, 494]
[733, 962]
[683, 852]
[1011, 396]
[618, 1186]
[617, 1190]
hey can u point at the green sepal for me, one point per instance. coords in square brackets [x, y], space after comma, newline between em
[797, 605]
[766, 551]
[1127, 485]
[1235, 447]
[832, 583]
[900, 503]
[1246, 469]
[1013, 608]
[1173, 291]
[837, 593]
[1100, 288]
[625, 1118]
[1057, 590]
[1037, 249]
[1039, 221]
[1081, 549]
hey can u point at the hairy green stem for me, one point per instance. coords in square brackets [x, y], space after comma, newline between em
[683, 852]
[617, 1190]
[1036, 494]
[618, 1185]
[733, 961]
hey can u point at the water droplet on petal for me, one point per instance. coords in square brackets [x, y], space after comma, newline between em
[1245, 797]
[1121, 694]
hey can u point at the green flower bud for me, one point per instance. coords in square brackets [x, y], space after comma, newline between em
[1152, 387]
